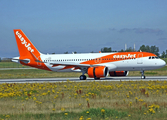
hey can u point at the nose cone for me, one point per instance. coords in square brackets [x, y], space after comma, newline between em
[161, 63]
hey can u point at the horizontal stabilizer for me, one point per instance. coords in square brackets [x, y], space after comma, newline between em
[22, 60]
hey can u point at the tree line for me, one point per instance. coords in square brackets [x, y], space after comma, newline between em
[143, 48]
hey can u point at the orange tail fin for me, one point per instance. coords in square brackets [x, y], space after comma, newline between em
[29, 55]
[24, 45]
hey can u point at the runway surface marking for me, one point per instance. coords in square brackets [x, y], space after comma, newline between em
[36, 80]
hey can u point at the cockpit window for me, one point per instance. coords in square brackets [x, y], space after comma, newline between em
[153, 57]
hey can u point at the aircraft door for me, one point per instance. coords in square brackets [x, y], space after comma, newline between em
[39, 63]
[97, 60]
[140, 58]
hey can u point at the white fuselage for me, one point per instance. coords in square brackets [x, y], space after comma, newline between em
[135, 64]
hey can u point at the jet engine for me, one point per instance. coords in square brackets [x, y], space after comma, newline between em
[118, 73]
[97, 72]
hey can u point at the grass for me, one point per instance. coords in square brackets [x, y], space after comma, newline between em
[157, 72]
[11, 65]
[84, 100]
[35, 73]
[93, 113]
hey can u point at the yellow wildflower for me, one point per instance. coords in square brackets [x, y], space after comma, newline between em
[88, 119]
[102, 111]
[130, 103]
[65, 114]
[7, 116]
[34, 98]
[62, 109]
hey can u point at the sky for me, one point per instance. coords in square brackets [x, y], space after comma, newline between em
[58, 26]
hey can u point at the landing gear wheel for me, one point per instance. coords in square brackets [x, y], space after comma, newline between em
[82, 77]
[143, 77]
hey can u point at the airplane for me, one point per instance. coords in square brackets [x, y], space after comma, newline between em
[96, 65]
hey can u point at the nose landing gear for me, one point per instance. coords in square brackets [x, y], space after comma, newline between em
[142, 75]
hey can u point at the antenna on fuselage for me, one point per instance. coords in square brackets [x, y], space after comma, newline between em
[125, 47]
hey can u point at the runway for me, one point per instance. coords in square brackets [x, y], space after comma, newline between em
[41, 80]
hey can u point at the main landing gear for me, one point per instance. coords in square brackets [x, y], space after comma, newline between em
[142, 75]
[82, 77]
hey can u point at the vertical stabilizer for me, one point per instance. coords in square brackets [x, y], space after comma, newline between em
[25, 46]
[29, 55]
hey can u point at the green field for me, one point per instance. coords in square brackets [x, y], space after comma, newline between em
[35, 73]
[88, 100]
[11, 65]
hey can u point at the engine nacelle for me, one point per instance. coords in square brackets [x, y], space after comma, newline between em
[97, 72]
[118, 73]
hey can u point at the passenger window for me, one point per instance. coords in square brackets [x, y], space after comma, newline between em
[149, 57]
[153, 57]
